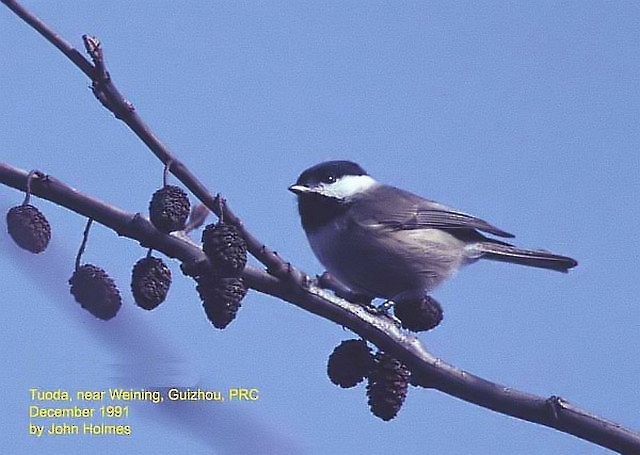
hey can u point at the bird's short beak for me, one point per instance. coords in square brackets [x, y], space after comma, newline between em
[299, 189]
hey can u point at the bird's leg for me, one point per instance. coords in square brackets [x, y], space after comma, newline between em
[328, 281]
[385, 306]
[383, 310]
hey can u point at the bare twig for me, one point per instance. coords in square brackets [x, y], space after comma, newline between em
[63, 46]
[110, 97]
[328, 281]
[165, 173]
[288, 283]
[83, 245]
[27, 195]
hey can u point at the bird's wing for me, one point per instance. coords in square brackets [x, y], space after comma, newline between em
[410, 211]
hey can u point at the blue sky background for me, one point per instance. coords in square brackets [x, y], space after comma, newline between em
[525, 114]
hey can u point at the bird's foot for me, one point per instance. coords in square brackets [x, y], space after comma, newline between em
[384, 310]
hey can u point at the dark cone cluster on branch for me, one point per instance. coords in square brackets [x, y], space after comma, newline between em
[169, 209]
[387, 386]
[150, 282]
[95, 291]
[225, 248]
[349, 363]
[221, 298]
[418, 315]
[220, 287]
[29, 228]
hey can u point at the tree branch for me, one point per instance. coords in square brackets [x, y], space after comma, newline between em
[288, 283]
[380, 330]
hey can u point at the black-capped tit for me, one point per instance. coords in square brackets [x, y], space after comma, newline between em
[385, 242]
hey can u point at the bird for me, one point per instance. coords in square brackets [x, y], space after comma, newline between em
[384, 242]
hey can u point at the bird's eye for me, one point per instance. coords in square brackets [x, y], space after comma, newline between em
[330, 178]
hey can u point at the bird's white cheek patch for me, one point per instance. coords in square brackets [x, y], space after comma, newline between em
[349, 185]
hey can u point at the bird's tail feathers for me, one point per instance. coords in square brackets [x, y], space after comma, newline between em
[532, 258]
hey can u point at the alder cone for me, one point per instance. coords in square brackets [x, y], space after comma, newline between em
[349, 363]
[419, 315]
[150, 282]
[226, 249]
[95, 291]
[29, 228]
[221, 298]
[387, 386]
[169, 209]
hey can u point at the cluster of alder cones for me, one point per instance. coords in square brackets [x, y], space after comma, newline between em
[221, 290]
[388, 379]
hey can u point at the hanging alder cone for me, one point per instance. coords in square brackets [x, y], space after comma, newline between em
[221, 298]
[29, 228]
[95, 291]
[169, 209]
[349, 363]
[150, 282]
[387, 386]
[225, 248]
[419, 315]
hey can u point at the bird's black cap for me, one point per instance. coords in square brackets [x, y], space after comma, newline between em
[329, 171]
